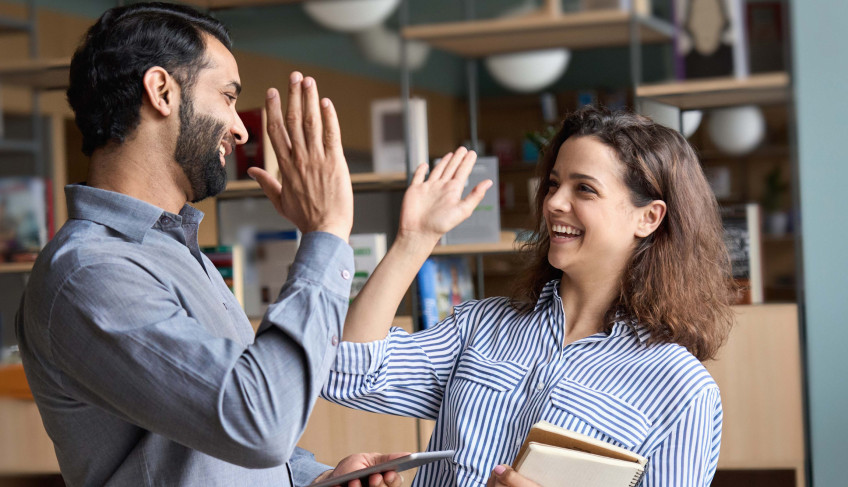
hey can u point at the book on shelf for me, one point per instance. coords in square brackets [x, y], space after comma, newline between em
[443, 283]
[484, 224]
[251, 153]
[275, 253]
[742, 236]
[23, 218]
[229, 262]
[387, 138]
[368, 250]
[552, 453]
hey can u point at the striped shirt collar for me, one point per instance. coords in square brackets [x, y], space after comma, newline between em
[122, 213]
[550, 297]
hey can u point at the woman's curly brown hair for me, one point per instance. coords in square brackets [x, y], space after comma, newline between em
[678, 282]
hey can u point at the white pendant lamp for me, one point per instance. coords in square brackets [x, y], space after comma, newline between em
[349, 15]
[737, 130]
[528, 71]
[382, 46]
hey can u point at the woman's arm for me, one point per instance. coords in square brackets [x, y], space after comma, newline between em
[430, 208]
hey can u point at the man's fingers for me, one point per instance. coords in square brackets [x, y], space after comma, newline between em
[294, 112]
[332, 133]
[313, 129]
[275, 126]
[269, 184]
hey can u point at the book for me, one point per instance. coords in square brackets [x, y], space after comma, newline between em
[275, 253]
[742, 236]
[484, 224]
[251, 153]
[552, 453]
[443, 283]
[368, 250]
[387, 137]
[229, 261]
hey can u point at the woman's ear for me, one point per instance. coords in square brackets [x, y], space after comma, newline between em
[160, 90]
[651, 215]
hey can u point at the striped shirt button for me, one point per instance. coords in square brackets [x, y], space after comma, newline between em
[540, 386]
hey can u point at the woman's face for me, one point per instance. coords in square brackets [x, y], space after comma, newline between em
[590, 219]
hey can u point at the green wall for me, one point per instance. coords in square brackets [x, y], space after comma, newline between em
[820, 76]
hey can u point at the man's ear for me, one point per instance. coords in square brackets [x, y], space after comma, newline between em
[160, 90]
[650, 217]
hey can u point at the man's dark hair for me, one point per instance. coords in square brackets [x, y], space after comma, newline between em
[106, 73]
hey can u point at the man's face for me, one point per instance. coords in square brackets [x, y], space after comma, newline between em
[209, 124]
[198, 150]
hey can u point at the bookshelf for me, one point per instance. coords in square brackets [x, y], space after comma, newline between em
[15, 267]
[45, 74]
[578, 30]
[506, 244]
[361, 182]
[758, 89]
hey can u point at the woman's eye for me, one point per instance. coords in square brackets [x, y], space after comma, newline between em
[586, 189]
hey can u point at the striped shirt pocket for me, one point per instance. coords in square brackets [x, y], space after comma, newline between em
[607, 414]
[500, 376]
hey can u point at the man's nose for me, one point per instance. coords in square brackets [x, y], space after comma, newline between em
[239, 131]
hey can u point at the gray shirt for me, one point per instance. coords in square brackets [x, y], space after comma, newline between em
[146, 370]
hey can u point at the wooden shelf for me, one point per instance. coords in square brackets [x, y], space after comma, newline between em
[758, 89]
[13, 382]
[13, 26]
[579, 30]
[506, 245]
[46, 74]
[220, 4]
[15, 267]
[361, 182]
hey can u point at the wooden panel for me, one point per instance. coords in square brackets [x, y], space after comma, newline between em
[25, 447]
[759, 373]
[579, 30]
[769, 88]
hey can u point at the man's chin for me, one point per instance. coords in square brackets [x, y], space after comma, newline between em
[211, 189]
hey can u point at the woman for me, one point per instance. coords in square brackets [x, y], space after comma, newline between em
[627, 287]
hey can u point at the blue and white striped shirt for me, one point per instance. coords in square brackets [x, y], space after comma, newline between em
[487, 373]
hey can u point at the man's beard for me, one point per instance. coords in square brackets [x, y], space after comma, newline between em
[197, 151]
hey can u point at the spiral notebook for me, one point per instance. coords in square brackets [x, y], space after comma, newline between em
[551, 453]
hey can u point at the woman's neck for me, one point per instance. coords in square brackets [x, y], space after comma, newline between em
[585, 303]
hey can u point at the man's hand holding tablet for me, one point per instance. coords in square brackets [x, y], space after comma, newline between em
[376, 470]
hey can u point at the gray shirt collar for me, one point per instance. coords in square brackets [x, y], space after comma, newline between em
[122, 213]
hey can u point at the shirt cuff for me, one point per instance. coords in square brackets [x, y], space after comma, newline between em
[305, 468]
[363, 358]
[326, 259]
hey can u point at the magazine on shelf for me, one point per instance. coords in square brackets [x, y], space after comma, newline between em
[443, 283]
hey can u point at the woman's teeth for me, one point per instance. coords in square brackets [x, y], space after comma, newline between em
[566, 230]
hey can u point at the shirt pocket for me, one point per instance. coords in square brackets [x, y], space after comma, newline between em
[479, 369]
[611, 416]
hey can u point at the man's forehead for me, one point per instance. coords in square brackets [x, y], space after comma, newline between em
[220, 59]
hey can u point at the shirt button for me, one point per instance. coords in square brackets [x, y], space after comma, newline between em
[345, 274]
[334, 340]
[540, 386]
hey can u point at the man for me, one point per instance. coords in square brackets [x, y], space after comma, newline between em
[144, 367]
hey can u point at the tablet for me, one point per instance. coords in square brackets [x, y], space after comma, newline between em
[398, 465]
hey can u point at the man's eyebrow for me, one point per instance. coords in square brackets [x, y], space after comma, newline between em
[236, 86]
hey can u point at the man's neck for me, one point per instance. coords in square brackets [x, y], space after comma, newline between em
[133, 169]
